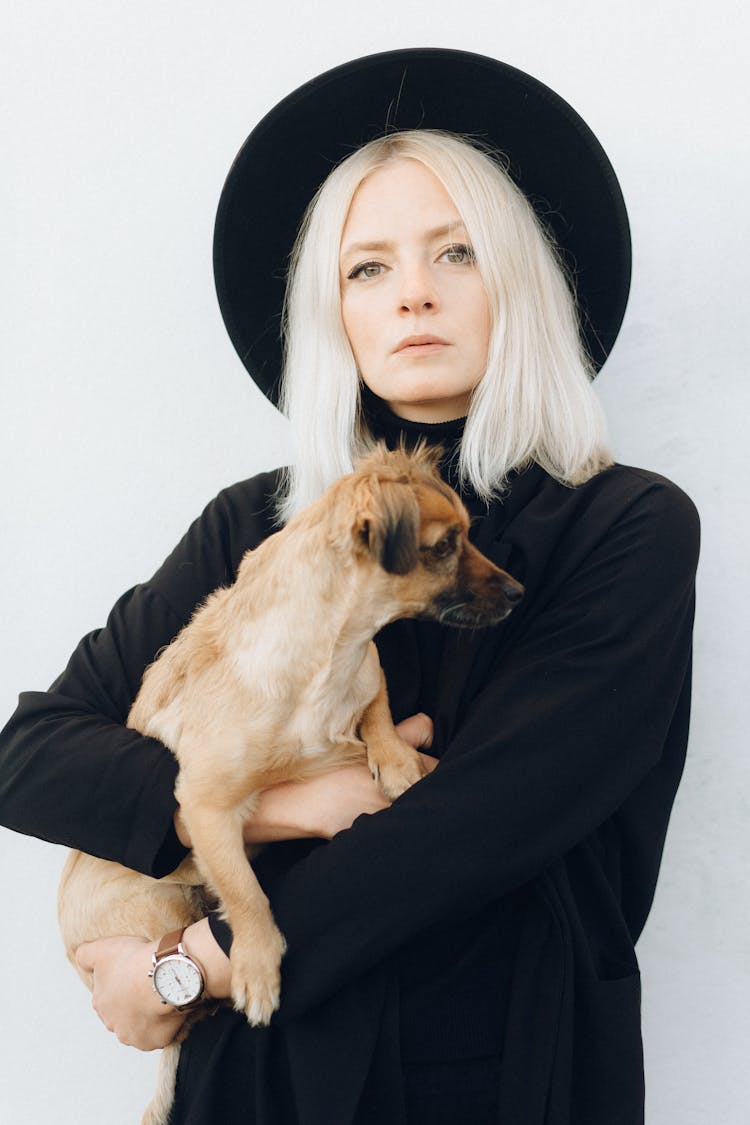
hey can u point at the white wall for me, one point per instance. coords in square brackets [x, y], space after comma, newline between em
[124, 409]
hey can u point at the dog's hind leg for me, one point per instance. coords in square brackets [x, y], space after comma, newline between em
[393, 762]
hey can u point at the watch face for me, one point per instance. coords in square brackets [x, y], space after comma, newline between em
[178, 980]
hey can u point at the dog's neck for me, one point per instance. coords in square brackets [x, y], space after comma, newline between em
[275, 617]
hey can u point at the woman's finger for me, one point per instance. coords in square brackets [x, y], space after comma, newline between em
[416, 730]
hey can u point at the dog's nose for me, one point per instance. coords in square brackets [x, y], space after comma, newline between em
[512, 590]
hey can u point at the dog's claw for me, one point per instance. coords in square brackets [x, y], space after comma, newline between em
[259, 1010]
[395, 778]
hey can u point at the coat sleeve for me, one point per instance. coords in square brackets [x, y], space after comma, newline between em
[70, 770]
[569, 722]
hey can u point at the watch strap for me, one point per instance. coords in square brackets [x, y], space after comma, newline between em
[171, 943]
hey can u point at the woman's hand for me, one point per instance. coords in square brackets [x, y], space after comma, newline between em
[123, 995]
[323, 805]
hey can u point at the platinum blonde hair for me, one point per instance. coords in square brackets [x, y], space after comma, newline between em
[535, 401]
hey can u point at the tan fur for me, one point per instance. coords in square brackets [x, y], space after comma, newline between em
[277, 678]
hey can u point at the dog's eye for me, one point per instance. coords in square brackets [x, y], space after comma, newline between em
[445, 546]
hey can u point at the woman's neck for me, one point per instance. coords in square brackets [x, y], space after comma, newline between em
[385, 425]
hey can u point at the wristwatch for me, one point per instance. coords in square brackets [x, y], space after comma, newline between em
[177, 977]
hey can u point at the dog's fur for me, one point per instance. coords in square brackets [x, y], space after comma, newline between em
[277, 678]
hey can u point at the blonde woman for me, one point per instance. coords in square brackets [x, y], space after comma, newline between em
[465, 955]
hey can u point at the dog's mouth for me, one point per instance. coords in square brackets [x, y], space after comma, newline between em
[470, 612]
[471, 616]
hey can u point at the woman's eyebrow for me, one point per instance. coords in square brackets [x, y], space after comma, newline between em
[446, 229]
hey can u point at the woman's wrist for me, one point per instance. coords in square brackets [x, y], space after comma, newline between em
[199, 943]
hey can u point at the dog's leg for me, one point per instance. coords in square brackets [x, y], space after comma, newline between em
[257, 946]
[394, 764]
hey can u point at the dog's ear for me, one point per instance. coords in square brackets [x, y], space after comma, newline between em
[387, 525]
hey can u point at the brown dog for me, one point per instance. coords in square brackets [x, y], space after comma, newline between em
[277, 678]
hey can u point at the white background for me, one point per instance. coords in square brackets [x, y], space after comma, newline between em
[124, 409]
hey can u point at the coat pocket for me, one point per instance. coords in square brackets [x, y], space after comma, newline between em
[608, 1087]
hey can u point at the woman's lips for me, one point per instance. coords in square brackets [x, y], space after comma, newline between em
[421, 349]
[421, 345]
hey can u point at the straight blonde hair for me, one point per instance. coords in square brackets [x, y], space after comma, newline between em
[534, 402]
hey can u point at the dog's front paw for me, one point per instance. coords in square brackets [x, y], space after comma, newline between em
[256, 976]
[395, 776]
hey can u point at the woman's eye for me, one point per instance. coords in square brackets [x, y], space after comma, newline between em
[460, 255]
[366, 269]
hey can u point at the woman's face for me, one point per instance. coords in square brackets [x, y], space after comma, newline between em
[412, 300]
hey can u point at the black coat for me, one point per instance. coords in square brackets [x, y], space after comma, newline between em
[561, 735]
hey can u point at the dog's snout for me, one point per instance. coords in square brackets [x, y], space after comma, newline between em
[489, 581]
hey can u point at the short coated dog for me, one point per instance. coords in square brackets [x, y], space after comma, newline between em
[277, 678]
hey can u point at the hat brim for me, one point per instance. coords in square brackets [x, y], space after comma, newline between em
[553, 157]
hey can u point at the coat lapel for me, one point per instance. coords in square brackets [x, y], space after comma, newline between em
[467, 651]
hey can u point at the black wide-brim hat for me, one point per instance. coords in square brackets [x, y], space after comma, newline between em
[553, 157]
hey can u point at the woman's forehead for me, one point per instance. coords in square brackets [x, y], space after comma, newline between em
[402, 193]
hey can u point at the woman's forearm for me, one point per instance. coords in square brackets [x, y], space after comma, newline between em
[324, 805]
[296, 810]
[199, 943]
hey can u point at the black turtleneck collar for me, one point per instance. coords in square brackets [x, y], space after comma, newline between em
[389, 427]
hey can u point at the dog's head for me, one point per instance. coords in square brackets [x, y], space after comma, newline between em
[411, 531]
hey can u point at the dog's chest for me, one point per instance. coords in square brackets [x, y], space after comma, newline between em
[328, 711]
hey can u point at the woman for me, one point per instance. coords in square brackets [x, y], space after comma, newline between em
[465, 955]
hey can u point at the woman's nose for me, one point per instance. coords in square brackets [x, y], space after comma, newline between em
[418, 291]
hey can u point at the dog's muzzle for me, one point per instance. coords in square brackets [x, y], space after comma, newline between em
[475, 605]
